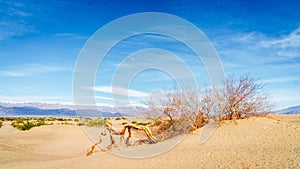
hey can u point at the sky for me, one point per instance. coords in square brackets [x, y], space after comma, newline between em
[40, 42]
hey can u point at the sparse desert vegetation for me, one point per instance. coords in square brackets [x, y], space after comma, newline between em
[98, 122]
[257, 142]
[26, 123]
[242, 97]
[183, 111]
[242, 130]
[124, 123]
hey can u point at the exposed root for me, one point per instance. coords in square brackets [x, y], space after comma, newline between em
[90, 150]
[151, 139]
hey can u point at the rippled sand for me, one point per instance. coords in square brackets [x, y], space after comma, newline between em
[258, 142]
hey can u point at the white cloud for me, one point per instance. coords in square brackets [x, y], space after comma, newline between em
[291, 40]
[71, 35]
[119, 91]
[103, 98]
[14, 20]
[288, 46]
[281, 79]
[14, 28]
[109, 101]
[256, 48]
[30, 70]
[40, 99]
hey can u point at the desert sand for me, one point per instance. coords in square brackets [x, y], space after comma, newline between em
[257, 142]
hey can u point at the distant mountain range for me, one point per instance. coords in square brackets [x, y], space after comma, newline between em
[290, 110]
[58, 110]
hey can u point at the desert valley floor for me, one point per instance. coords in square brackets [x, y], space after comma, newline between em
[257, 142]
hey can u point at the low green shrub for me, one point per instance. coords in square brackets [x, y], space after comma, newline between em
[22, 123]
[124, 123]
[40, 121]
[51, 119]
[96, 122]
[80, 124]
[61, 119]
[66, 123]
[143, 123]
[23, 126]
[6, 119]
[21, 119]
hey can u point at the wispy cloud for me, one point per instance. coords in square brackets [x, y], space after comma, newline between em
[110, 100]
[71, 35]
[14, 19]
[237, 38]
[14, 28]
[103, 98]
[119, 91]
[30, 70]
[39, 98]
[121, 100]
[256, 48]
[15, 8]
[288, 46]
[281, 79]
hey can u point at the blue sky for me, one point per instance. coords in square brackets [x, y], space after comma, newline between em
[41, 40]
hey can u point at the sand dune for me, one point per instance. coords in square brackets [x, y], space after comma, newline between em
[258, 142]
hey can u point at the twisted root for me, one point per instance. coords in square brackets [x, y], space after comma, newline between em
[90, 150]
[151, 139]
